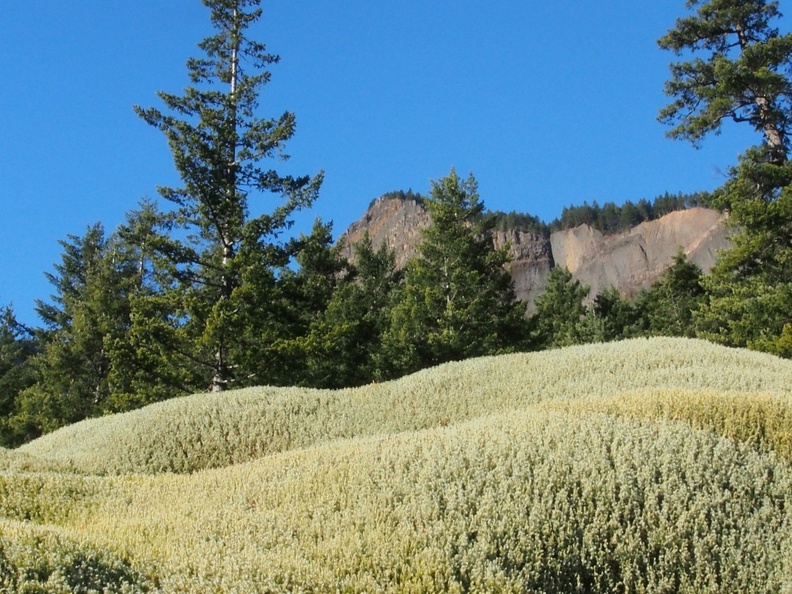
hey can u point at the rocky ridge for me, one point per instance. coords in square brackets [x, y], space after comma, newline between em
[629, 261]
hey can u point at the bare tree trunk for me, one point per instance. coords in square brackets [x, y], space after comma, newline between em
[222, 367]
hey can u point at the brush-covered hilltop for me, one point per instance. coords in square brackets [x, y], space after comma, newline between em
[629, 259]
[651, 465]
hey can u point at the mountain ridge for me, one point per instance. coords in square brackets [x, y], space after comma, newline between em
[629, 261]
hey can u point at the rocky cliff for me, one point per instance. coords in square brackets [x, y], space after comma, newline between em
[628, 261]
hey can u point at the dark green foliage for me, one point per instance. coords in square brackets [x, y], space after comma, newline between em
[219, 146]
[458, 300]
[515, 221]
[741, 72]
[611, 218]
[149, 366]
[321, 267]
[79, 366]
[559, 312]
[751, 285]
[275, 336]
[668, 308]
[609, 317]
[18, 345]
[343, 346]
[87, 309]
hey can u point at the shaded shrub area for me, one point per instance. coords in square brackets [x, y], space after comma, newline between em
[35, 560]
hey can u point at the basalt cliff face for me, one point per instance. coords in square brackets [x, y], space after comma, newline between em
[629, 261]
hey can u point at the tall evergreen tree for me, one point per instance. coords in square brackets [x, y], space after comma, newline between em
[668, 308]
[219, 146]
[343, 347]
[609, 317]
[88, 311]
[742, 73]
[147, 365]
[559, 312]
[458, 300]
[750, 287]
[276, 343]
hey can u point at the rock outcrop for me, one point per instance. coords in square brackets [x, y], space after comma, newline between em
[629, 261]
[396, 222]
[636, 259]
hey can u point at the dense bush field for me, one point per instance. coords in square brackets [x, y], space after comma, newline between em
[657, 465]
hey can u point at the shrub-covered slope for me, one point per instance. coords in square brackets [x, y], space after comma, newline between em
[645, 466]
[210, 431]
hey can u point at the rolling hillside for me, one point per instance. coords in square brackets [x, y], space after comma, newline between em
[657, 465]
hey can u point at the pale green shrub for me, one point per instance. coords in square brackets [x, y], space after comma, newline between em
[15, 461]
[646, 466]
[763, 421]
[210, 431]
[45, 498]
[527, 501]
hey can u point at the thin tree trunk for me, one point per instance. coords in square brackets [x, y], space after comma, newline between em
[222, 374]
[772, 134]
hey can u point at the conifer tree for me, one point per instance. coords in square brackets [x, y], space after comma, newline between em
[18, 345]
[147, 365]
[609, 317]
[559, 314]
[742, 72]
[276, 344]
[87, 312]
[220, 145]
[343, 346]
[668, 308]
[458, 300]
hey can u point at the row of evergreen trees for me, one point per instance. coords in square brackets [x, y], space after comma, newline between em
[205, 295]
[613, 218]
[112, 335]
[607, 218]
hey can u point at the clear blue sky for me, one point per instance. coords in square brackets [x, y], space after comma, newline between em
[547, 103]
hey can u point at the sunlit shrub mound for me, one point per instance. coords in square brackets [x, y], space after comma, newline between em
[763, 421]
[16, 461]
[527, 501]
[656, 465]
[212, 431]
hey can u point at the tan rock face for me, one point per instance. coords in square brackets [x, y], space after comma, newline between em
[628, 261]
[531, 262]
[398, 223]
[636, 259]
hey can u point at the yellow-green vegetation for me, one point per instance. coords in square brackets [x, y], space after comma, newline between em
[658, 465]
[761, 420]
[213, 431]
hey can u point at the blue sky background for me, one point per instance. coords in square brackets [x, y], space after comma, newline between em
[548, 104]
